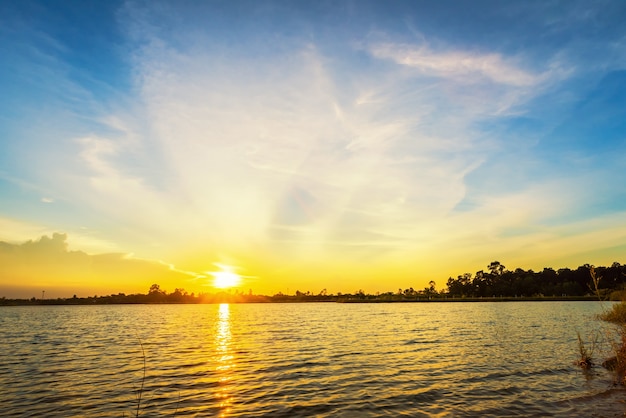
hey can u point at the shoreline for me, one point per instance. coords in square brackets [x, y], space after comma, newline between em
[235, 299]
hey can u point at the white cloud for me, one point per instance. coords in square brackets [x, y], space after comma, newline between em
[238, 147]
[250, 146]
[462, 66]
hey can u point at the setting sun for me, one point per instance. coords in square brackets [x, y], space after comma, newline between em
[226, 278]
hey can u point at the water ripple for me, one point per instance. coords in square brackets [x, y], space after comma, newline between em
[326, 360]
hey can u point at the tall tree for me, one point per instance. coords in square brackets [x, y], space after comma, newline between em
[496, 268]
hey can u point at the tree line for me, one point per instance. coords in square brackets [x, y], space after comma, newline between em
[497, 281]
[494, 282]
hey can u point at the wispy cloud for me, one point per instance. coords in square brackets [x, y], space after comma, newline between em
[255, 150]
[307, 147]
[462, 66]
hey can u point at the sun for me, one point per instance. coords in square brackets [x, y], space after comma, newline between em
[226, 278]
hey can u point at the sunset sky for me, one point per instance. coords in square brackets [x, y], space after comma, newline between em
[344, 145]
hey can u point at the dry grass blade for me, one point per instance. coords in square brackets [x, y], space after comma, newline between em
[143, 379]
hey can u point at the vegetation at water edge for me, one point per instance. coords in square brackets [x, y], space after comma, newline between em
[496, 282]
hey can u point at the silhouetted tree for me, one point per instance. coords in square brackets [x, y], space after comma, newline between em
[499, 281]
[496, 268]
[155, 294]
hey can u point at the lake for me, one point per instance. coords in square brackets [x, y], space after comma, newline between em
[308, 359]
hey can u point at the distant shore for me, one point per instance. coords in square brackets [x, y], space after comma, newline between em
[497, 284]
[479, 299]
[238, 299]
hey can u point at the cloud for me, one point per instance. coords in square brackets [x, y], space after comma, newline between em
[462, 66]
[304, 150]
[14, 230]
[234, 144]
[252, 150]
[47, 264]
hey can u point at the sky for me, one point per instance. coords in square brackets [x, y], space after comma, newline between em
[337, 145]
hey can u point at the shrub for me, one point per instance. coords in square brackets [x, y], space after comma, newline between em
[615, 315]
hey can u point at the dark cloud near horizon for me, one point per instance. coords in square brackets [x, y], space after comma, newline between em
[47, 263]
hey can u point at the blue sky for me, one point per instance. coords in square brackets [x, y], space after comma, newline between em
[342, 145]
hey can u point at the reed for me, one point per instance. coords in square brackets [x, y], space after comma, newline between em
[586, 354]
[139, 392]
[615, 315]
[143, 378]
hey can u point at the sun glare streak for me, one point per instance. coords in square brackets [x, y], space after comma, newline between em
[226, 278]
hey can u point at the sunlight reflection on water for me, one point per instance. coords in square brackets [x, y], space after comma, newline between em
[327, 360]
[224, 358]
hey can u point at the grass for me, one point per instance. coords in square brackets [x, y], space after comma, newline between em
[141, 389]
[586, 354]
[143, 379]
[615, 315]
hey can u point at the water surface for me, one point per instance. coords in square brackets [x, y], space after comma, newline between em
[317, 359]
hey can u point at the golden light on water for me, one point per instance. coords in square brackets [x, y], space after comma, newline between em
[222, 336]
[223, 357]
